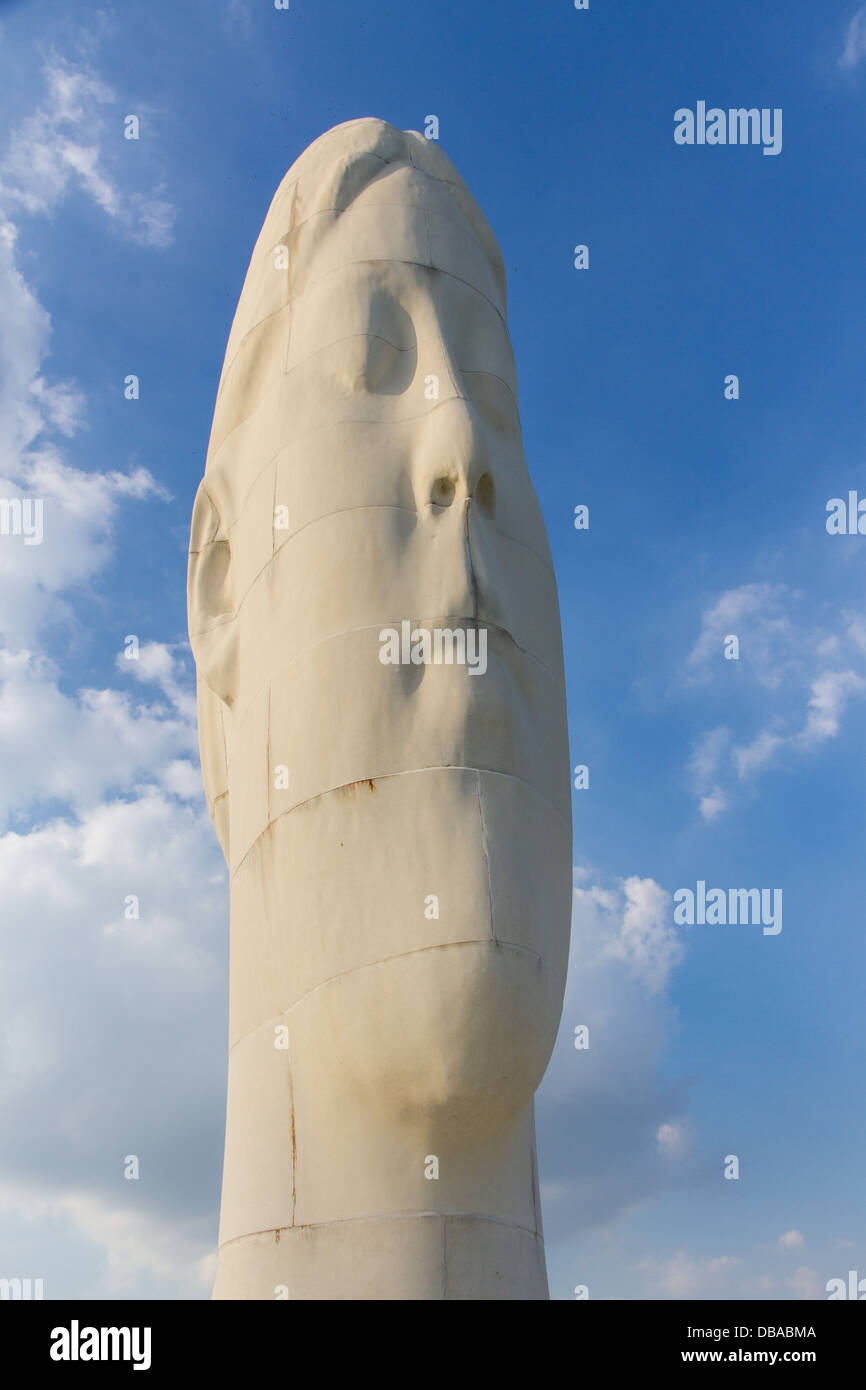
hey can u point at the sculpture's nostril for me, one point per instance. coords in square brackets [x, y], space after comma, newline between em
[485, 495]
[443, 492]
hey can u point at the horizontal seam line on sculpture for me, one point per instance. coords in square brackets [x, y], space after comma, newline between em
[383, 159]
[349, 337]
[383, 776]
[284, 188]
[388, 1216]
[345, 339]
[297, 226]
[404, 420]
[449, 183]
[338, 511]
[216, 466]
[336, 424]
[459, 220]
[395, 507]
[365, 507]
[371, 627]
[383, 260]
[385, 960]
[400, 260]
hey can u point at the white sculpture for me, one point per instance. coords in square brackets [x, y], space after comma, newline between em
[397, 830]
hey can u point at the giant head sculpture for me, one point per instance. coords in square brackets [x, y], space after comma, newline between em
[375, 626]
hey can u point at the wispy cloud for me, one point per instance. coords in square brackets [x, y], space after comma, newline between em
[69, 142]
[51, 153]
[236, 17]
[811, 674]
[757, 612]
[854, 48]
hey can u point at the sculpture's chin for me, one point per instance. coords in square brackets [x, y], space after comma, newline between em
[458, 1034]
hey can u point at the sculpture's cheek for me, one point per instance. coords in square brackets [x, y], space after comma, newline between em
[367, 568]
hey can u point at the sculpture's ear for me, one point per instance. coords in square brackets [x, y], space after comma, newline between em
[211, 600]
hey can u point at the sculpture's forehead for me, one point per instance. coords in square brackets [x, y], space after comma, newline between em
[403, 215]
[385, 242]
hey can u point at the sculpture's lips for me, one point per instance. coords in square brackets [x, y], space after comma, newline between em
[461, 622]
[456, 640]
[497, 639]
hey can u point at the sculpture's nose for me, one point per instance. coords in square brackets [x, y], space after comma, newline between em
[455, 492]
[454, 460]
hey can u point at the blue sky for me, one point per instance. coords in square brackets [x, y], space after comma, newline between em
[707, 518]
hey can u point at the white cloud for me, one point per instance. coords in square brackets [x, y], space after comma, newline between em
[674, 1140]
[810, 673]
[854, 47]
[67, 142]
[114, 1030]
[829, 696]
[704, 765]
[806, 1283]
[612, 1129]
[79, 748]
[754, 613]
[756, 756]
[791, 1240]
[136, 1252]
[79, 512]
[683, 1276]
[112, 1025]
[713, 804]
[237, 17]
[79, 508]
[647, 940]
[164, 666]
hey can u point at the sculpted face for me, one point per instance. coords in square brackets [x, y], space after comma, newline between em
[398, 835]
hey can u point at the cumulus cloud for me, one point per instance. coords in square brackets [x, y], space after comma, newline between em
[683, 1276]
[806, 1283]
[131, 1252]
[113, 1032]
[646, 941]
[791, 1240]
[78, 513]
[112, 999]
[81, 747]
[613, 1130]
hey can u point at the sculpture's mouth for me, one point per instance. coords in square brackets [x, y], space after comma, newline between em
[456, 640]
